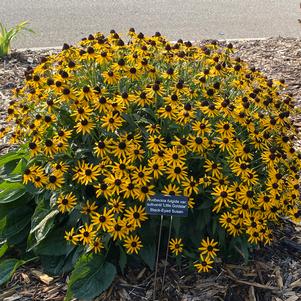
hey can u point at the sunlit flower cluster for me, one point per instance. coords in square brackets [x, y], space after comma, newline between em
[109, 124]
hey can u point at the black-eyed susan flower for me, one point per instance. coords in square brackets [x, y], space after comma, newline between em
[81, 113]
[208, 247]
[204, 265]
[89, 208]
[144, 192]
[171, 189]
[112, 122]
[132, 244]
[71, 236]
[88, 173]
[141, 175]
[136, 215]
[118, 229]
[55, 181]
[66, 202]
[103, 220]
[156, 143]
[177, 173]
[96, 245]
[176, 246]
[86, 234]
[117, 205]
[213, 167]
[101, 147]
[49, 147]
[84, 126]
[111, 77]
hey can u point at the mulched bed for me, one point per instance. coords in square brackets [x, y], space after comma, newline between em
[273, 273]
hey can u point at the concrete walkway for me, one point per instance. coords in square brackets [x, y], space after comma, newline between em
[59, 21]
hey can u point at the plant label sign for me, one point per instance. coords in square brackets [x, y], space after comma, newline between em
[168, 205]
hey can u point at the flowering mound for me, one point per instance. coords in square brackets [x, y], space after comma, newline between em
[109, 124]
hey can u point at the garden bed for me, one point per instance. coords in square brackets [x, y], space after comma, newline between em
[274, 273]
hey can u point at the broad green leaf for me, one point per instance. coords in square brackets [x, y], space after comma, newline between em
[15, 221]
[122, 259]
[3, 249]
[19, 169]
[42, 222]
[148, 254]
[11, 156]
[11, 191]
[90, 277]
[8, 268]
[177, 225]
[244, 248]
[56, 265]
[20, 238]
[54, 244]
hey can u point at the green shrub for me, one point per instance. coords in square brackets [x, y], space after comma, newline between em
[108, 124]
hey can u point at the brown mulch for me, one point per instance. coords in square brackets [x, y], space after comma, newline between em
[273, 273]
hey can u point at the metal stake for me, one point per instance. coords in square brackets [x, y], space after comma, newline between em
[166, 255]
[157, 259]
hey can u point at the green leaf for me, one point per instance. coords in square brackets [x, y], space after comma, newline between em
[3, 249]
[122, 259]
[54, 244]
[214, 225]
[148, 254]
[177, 225]
[244, 249]
[11, 156]
[56, 265]
[15, 221]
[90, 277]
[42, 222]
[9, 192]
[19, 169]
[20, 238]
[8, 268]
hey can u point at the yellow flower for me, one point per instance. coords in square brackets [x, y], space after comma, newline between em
[208, 247]
[132, 244]
[88, 173]
[111, 77]
[136, 215]
[86, 234]
[96, 245]
[204, 265]
[156, 143]
[89, 209]
[71, 236]
[112, 122]
[176, 246]
[55, 181]
[118, 229]
[66, 202]
[224, 197]
[84, 126]
[104, 220]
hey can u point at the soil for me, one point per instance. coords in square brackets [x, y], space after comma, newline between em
[272, 274]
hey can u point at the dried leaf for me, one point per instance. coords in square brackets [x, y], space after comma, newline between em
[42, 277]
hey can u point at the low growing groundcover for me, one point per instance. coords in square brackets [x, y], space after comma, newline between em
[104, 125]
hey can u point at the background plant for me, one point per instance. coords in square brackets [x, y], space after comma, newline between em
[7, 35]
[105, 125]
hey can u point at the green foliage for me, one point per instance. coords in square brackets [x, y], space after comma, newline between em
[91, 276]
[7, 35]
[7, 269]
